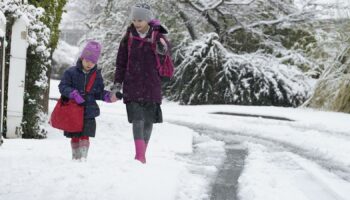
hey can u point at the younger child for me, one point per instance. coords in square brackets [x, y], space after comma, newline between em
[72, 86]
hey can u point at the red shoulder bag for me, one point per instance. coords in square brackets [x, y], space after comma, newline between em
[68, 115]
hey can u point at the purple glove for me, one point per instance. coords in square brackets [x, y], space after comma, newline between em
[107, 98]
[77, 97]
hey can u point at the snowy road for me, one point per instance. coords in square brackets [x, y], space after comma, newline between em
[286, 160]
[278, 165]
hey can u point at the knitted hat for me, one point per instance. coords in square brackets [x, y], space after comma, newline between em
[141, 11]
[91, 52]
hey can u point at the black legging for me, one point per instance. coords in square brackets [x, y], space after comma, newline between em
[142, 130]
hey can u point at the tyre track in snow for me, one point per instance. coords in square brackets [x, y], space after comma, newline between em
[234, 137]
[319, 183]
[225, 185]
[308, 179]
[282, 121]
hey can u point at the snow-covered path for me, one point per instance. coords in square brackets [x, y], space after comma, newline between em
[291, 160]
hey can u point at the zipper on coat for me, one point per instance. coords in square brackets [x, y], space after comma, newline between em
[85, 78]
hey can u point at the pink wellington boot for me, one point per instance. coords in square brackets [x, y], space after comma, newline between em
[140, 148]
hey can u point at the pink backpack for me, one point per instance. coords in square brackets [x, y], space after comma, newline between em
[165, 69]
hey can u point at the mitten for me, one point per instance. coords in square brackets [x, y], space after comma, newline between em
[77, 97]
[119, 95]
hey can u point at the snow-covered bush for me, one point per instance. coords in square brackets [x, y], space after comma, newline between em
[332, 90]
[269, 49]
[63, 57]
[209, 74]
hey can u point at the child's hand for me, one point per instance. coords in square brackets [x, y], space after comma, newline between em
[113, 98]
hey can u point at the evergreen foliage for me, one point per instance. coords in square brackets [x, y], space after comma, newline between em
[52, 17]
[210, 74]
[238, 52]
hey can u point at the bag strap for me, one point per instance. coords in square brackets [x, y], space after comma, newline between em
[154, 48]
[91, 82]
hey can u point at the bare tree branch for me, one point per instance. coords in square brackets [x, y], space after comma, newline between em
[186, 21]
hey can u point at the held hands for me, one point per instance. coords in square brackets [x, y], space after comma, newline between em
[109, 98]
[112, 97]
[77, 97]
[116, 91]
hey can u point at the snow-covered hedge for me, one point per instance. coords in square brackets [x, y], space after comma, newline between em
[38, 61]
[63, 57]
[209, 74]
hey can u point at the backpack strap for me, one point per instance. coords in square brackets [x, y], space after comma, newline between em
[153, 42]
[154, 47]
[130, 39]
[91, 82]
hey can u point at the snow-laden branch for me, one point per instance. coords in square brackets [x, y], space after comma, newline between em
[211, 6]
[239, 3]
[295, 17]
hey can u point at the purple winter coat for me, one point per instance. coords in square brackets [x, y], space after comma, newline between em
[140, 79]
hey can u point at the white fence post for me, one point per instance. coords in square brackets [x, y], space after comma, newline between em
[2, 71]
[16, 83]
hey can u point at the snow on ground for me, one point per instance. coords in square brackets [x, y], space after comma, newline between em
[303, 159]
[43, 169]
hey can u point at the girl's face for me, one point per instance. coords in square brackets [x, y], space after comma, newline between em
[88, 65]
[140, 25]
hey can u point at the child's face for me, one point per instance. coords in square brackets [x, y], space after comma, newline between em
[140, 25]
[88, 65]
